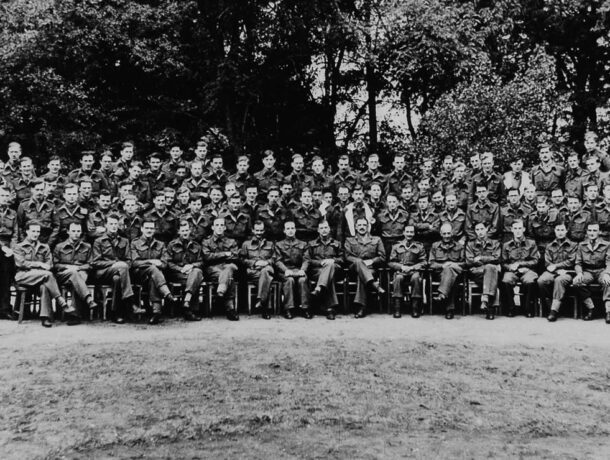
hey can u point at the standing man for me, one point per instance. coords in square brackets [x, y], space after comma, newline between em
[520, 257]
[290, 262]
[66, 214]
[306, 217]
[483, 210]
[165, 221]
[268, 176]
[593, 265]
[391, 223]
[447, 260]
[323, 257]
[34, 262]
[257, 255]
[547, 175]
[364, 253]
[408, 258]
[36, 208]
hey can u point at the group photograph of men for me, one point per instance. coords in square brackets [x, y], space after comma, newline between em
[143, 224]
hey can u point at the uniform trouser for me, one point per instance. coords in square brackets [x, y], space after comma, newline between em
[399, 287]
[448, 276]
[528, 281]
[589, 277]
[118, 275]
[365, 276]
[262, 277]
[290, 285]
[552, 285]
[7, 273]
[153, 279]
[487, 276]
[77, 281]
[224, 275]
[191, 282]
[49, 290]
[325, 277]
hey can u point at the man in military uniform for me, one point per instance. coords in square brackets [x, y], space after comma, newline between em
[85, 193]
[426, 222]
[318, 177]
[242, 177]
[220, 255]
[541, 224]
[483, 261]
[306, 217]
[513, 210]
[547, 175]
[216, 175]
[175, 162]
[344, 176]
[459, 185]
[96, 220]
[297, 176]
[66, 214]
[98, 180]
[398, 178]
[237, 222]
[594, 176]
[273, 215]
[574, 175]
[165, 221]
[8, 239]
[446, 260]
[391, 222]
[11, 167]
[72, 265]
[148, 260]
[454, 216]
[576, 219]
[372, 173]
[22, 184]
[559, 260]
[323, 257]
[520, 256]
[593, 265]
[364, 254]
[34, 262]
[268, 176]
[408, 258]
[54, 180]
[290, 262]
[130, 221]
[483, 210]
[121, 167]
[197, 184]
[184, 266]
[111, 261]
[157, 179]
[141, 187]
[36, 208]
[199, 223]
[257, 255]
[493, 182]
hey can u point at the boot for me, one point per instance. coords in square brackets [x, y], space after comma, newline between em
[490, 313]
[416, 308]
[397, 307]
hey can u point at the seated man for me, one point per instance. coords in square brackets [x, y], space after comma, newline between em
[446, 259]
[257, 254]
[184, 267]
[323, 257]
[407, 258]
[593, 265]
[364, 253]
[290, 262]
[220, 255]
[34, 261]
[559, 259]
[8, 239]
[483, 259]
[520, 256]
[111, 261]
[72, 265]
[148, 259]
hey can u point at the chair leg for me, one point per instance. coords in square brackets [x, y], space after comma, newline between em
[21, 301]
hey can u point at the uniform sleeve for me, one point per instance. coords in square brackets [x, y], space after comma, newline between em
[97, 259]
[568, 263]
[432, 258]
[348, 249]
[164, 257]
[20, 262]
[380, 255]
[469, 256]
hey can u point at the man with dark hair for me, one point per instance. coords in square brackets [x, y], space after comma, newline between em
[575, 175]
[541, 224]
[96, 220]
[242, 177]
[364, 253]
[237, 222]
[513, 210]
[36, 208]
[141, 187]
[199, 223]
[157, 179]
[391, 222]
[455, 217]
[22, 184]
[121, 167]
[372, 173]
[297, 176]
[165, 221]
[306, 217]
[273, 215]
[576, 219]
[98, 180]
[257, 255]
[268, 176]
[483, 210]
[34, 262]
[171, 166]
[130, 221]
[54, 176]
[71, 211]
[8, 239]
[593, 265]
[323, 256]
[426, 222]
[197, 184]
[344, 176]
[216, 175]
[11, 167]
[493, 182]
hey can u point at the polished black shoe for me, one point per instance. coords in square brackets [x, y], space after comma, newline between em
[154, 319]
[118, 320]
[608, 317]
[232, 315]
[490, 313]
[588, 315]
[266, 314]
[449, 314]
[397, 307]
[529, 314]
[360, 313]
[9, 315]
[415, 313]
[330, 315]
[190, 316]
[46, 322]
[72, 320]
[171, 298]
[92, 305]
[288, 314]
[137, 310]
[510, 313]
[258, 305]
[307, 314]
[552, 316]
[316, 293]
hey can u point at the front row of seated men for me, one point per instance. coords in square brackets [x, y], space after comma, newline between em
[112, 260]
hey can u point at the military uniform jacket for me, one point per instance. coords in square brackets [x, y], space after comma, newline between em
[542, 227]
[318, 250]
[347, 178]
[27, 252]
[157, 180]
[576, 223]
[215, 210]
[8, 227]
[170, 167]
[182, 252]
[396, 180]
[486, 212]
[274, 218]
[364, 248]
[524, 251]
[603, 218]
[594, 256]
[306, 221]
[368, 177]
[412, 254]
[596, 178]
[213, 247]
[299, 180]
[242, 180]
[144, 249]
[63, 217]
[509, 214]
[574, 182]
[130, 226]
[489, 251]
[200, 225]
[96, 219]
[238, 224]
[268, 178]
[290, 254]
[198, 186]
[23, 188]
[11, 170]
[69, 253]
[547, 179]
[427, 224]
[216, 178]
[561, 253]
[120, 169]
[461, 190]
[456, 219]
[41, 211]
[494, 183]
[98, 180]
[252, 251]
[442, 252]
[108, 249]
[166, 224]
[391, 224]
[321, 181]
